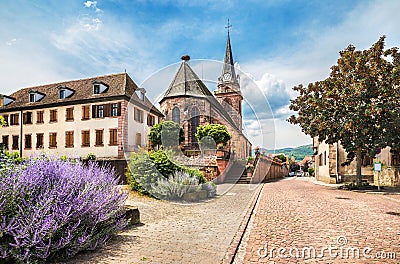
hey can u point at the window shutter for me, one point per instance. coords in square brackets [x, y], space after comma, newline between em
[25, 116]
[94, 111]
[107, 110]
[119, 109]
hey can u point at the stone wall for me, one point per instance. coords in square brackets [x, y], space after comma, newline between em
[267, 170]
[388, 177]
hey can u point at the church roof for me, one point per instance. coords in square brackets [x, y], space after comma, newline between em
[186, 83]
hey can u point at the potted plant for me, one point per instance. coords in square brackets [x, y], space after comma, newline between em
[249, 170]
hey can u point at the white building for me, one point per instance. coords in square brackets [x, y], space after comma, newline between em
[105, 115]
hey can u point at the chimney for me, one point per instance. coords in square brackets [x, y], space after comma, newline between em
[185, 57]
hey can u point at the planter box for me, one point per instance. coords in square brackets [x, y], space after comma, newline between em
[195, 196]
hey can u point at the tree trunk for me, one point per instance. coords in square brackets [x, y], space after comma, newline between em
[359, 163]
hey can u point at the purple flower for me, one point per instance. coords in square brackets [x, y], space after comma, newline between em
[53, 209]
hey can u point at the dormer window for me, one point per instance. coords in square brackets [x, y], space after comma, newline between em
[96, 88]
[5, 100]
[35, 96]
[141, 92]
[65, 92]
[99, 87]
[62, 94]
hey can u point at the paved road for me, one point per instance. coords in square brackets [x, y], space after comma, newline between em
[178, 233]
[295, 215]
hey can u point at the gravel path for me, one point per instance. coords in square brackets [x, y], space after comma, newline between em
[178, 233]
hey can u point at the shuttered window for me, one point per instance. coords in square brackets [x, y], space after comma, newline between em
[113, 137]
[99, 137]
[53, 116]
[14, 120]
[69, 139]
[106, 110]
[86, 138]
[138, 115]
[53, 140]
[28, 141]
[5, 142]
[39, 140]
[15, 142]
[85, 112]
[27, 118]
[39, 117]
[69, 114]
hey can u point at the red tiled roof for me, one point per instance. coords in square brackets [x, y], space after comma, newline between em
[118, 85]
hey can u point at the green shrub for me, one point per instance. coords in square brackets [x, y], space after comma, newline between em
[194, 173]
[311, 171]
[142, 173]
[250, 168]
[146, 170]
[90, 156]
[175, 186]
[163, 163]
[216, 131]
[166, 133]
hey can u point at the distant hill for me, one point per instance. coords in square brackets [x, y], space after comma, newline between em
[299, 153]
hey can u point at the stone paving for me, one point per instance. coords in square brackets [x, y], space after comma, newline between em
[295, 215]
[178, 233]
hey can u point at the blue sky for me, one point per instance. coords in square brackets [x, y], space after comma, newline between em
[278, 43]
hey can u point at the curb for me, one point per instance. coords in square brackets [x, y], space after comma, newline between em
[237, 239]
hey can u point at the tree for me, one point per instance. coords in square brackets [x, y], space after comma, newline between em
[281, 157]
[216, 131]
[166, 133]
[2, 121]
[357, 105]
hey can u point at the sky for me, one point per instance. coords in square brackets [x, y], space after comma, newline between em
[276, 44]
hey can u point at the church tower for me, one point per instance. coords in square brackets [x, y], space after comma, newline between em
[228, 92]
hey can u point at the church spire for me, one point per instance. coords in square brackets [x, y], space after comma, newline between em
[228, 71]
[228, 90]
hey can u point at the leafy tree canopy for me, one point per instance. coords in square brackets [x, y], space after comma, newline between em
[356, 105]
[281, 157]
[2, 121]
[166, 133]
[216, 131]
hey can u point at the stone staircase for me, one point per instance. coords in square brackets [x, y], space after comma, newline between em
[237, 173]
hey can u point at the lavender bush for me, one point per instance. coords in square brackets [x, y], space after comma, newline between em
[52, 209]
[211, 188]
[175, 186]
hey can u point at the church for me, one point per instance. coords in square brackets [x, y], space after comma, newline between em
[190, 103]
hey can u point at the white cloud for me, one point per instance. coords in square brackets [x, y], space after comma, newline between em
[92, 4]
[91, 24]
[311, 60]
[11, 42]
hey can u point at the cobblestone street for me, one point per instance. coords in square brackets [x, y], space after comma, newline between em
[295, 215]
[178, 233]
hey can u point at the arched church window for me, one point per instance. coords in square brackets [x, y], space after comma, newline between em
[176, 115]
[194, 123]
